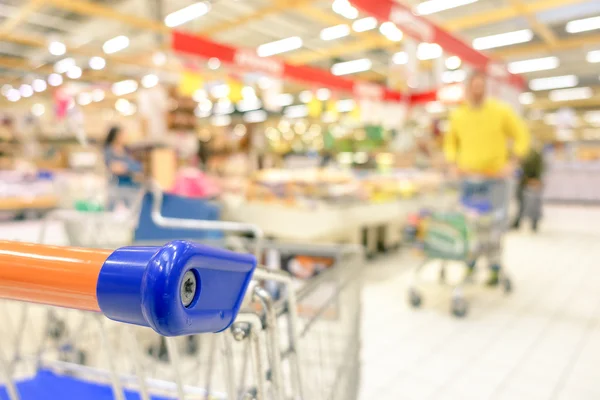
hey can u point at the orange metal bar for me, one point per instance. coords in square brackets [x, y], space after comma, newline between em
[59, 276]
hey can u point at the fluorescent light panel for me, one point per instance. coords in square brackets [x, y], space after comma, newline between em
[335, 32]
[503, 39]
[400, 58]
[186, 14]
[391, 31]
[115, 44]
[285, 99]
[124, 87]
[583, 25]
[364, 24]
[526, 98]
[536, 64]
[351, 67]
[429, 51]
[593, 56]
[580, 93]
[434, 6]
[279, 46]
[555, 82]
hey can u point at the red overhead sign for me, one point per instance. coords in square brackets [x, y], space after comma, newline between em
[248, 59]
[423, 30]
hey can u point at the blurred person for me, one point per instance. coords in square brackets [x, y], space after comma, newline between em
[529, 189]
[478, 145]
[118, 161]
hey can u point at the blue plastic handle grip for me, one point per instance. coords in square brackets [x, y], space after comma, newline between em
[142, 286]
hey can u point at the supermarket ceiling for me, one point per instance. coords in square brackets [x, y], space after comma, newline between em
[564, 34]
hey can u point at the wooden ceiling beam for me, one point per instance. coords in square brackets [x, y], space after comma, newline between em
[542, 30]
[96, 10]
[505, 14]
[570, 43]
[20, 16]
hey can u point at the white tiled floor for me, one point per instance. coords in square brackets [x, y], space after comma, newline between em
[540, 342]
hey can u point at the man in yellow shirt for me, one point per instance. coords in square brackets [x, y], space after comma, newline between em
[479, 141]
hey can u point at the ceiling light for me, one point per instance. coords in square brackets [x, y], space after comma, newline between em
[64, 65]
[203, 109]
[323, 94]
[39, 85]
[526, 98]
[223, 106]
[351, 67]
[55, 80]
[583, 25]
[305, 96]
[593, 56]
[265, 83]
[299, 111]
[285, 99]
[453, 62]
[555, 82]
[503, 39]
[249, 104]
[213, 63]
[345, 9]
[124, 87]
[221, 120]
[74, 72]
[592, 117]
[186, 14]
[335, 32]
[364, 24]
[115, 44]
[97, 63]
[26, 91]
[454, 76]
[5, 89]
[38, 109]
[13, 95]
[84, 98]
[435, 107]
[434, 6]
[200, 95]
[533, 65]
[159, 58]
[149, 81]
[57, 48]
[97, 95]
[429, 51]
[279, 46]
[346, 105]
[580, 93]
[125, 107]
[400, 58]
[391, 31]
[220, 91]
[254, 117]
[248, 92]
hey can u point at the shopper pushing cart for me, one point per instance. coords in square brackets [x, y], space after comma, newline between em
[478, 144]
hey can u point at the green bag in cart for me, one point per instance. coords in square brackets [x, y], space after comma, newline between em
[448, 236]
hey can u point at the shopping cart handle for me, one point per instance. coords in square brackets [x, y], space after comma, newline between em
[181, 288]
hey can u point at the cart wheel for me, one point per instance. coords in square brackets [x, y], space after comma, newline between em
[459, 307]
[414, 298]
[191, 345]
[56, 328]
[507, 284]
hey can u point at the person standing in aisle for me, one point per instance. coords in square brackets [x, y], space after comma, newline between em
[485, 139]
[529, 189]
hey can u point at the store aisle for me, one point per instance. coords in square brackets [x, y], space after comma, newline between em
[541, 342]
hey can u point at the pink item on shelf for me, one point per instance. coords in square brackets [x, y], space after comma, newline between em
[191, 182]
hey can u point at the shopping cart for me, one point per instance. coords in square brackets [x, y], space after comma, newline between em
[304, 344]
[468, 230]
